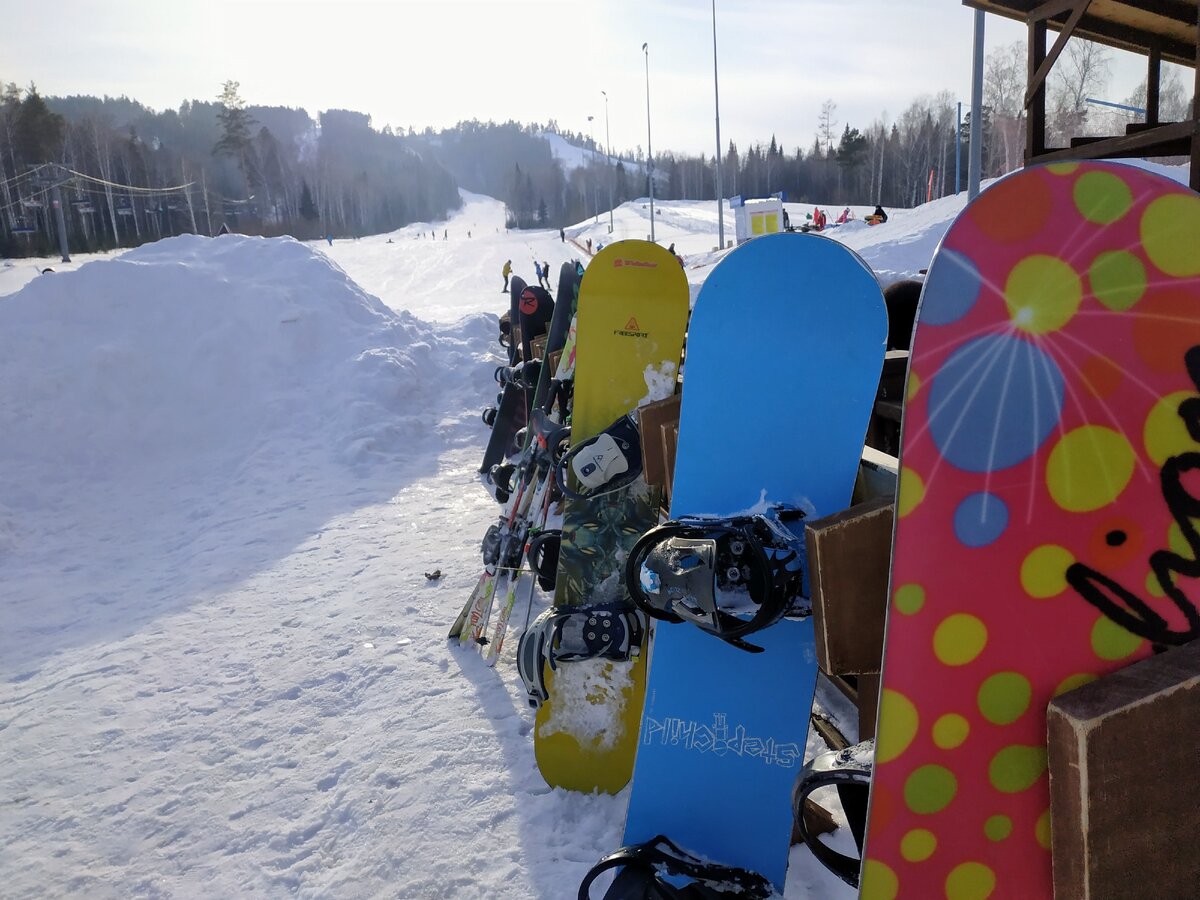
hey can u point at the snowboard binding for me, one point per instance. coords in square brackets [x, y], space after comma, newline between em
[728, 576]
[489, 416]
[848, 770]
[604, 463]
[571, 633]
[651, 871]
[522, 375]
[495, 547]
[543, 557]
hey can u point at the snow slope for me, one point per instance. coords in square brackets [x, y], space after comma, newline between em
[225, 466]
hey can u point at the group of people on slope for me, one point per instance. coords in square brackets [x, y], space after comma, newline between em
[541, 269]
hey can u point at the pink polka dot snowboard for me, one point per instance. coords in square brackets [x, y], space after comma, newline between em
[1047, 512]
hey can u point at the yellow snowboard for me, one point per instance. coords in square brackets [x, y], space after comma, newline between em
[633, 307]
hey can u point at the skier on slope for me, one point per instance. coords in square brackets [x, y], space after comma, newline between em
[506, 271]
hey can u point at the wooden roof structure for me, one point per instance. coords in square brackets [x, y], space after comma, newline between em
[1160, 30]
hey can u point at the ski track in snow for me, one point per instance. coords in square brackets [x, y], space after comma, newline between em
[224, 469]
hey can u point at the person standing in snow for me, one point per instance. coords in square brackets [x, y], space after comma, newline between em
[562, 235]
[537, 270]
[546, 273]
[506, 271]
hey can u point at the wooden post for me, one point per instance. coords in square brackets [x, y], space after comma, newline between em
[1124, 781]
[1035, 123]
[1153, 78]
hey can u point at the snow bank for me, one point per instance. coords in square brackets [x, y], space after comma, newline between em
[194, 348]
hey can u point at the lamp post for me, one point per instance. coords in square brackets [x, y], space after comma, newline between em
[717, 107]
[608, 158]
[649, 147]
[595, 189]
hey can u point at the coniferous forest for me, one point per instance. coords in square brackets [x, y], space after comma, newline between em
[124, 174]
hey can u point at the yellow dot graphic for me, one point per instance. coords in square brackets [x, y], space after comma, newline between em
[912, 491]
[913, 386]
[910, 599]
[970, 881]
[1153, 586]
[1118, 279]
[1177, 542]
[1089, 467]
[879, 882]
[1017, 768]
[950, 730]
[997, 828]
[918, 845]
[1062, 168]
[1102, 197]
[930, 789]
[900, 725]
[1041, 830]
[1004, 697]
[1164, 434]
[1073, 681]
[1168, 230]
[1042, 293]
[959, 639]
[1112, 642]
[1044, 571]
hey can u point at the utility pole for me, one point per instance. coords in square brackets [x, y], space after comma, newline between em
[608, 163]
[649, 147]
[56, 199]
[975, 158]
[207, 212]
[717, 107]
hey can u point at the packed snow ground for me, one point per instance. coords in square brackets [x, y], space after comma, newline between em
[225, 466]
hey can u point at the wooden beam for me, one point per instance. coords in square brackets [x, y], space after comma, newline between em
[1162, 140]
[1046, 11]
[1135, 41]
[1175, 10]
[1035, 118]
[1037, 81]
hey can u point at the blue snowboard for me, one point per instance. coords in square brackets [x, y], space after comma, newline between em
[784, 353]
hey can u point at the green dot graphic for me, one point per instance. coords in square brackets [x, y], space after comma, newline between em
[1004, 697]
[930, 789]
[1017, 768]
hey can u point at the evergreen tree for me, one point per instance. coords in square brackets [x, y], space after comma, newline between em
[235, 126]
[37, 133]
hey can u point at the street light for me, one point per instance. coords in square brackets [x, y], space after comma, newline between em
[595, 189]
[649, 146]
[717, 107]
[608, 159]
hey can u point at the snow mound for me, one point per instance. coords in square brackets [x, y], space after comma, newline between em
[194, 348]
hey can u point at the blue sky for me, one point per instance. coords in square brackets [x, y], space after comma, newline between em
[433, 63]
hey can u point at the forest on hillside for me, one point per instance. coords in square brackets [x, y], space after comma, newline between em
[125, 174]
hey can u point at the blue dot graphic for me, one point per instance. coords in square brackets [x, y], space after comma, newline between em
[951, 289]
[994, 402]
[980, 519]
